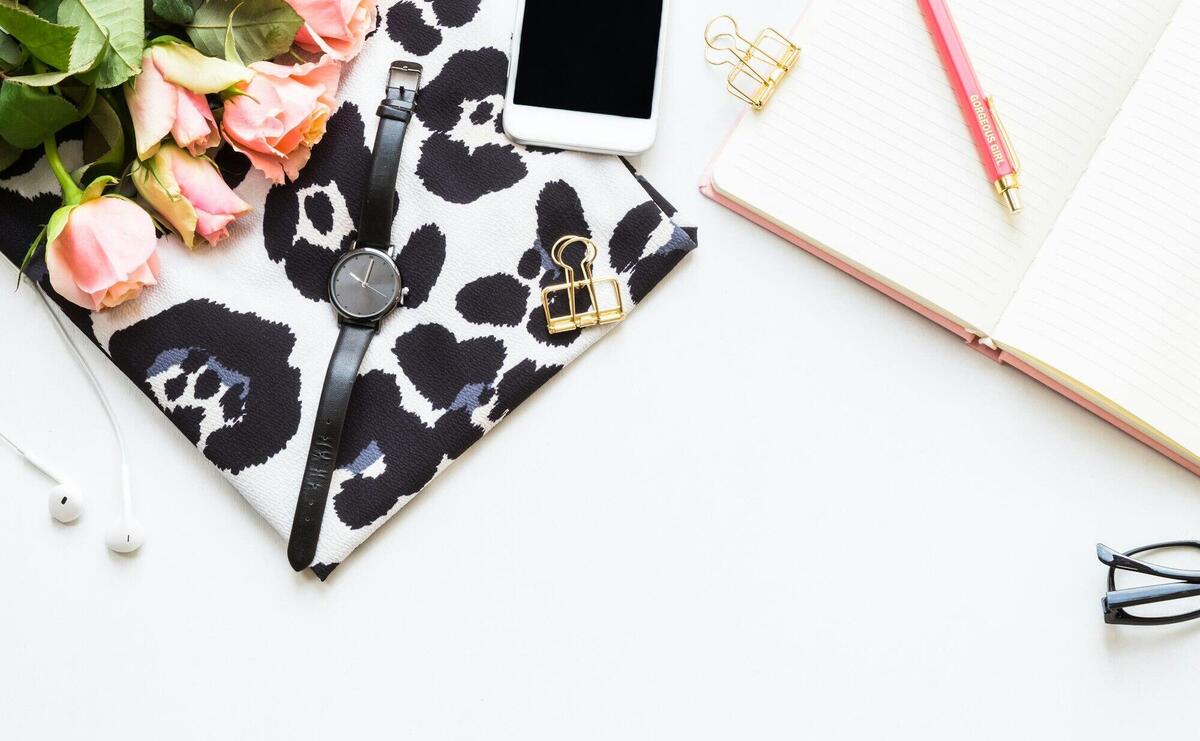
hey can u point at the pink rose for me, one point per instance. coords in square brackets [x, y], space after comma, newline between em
[189, 193]
[280, 114]
[167, 97]
[101, 252]
[335, 27]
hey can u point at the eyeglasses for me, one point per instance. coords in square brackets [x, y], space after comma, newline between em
[1151, 604]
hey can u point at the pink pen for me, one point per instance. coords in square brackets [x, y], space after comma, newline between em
[1000, 161]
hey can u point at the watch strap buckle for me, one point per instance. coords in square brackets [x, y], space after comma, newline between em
[404, 76]
[404, 82]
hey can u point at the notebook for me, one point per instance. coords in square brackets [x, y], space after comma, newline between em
[863, 158]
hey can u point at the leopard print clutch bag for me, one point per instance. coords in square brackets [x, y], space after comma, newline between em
[233, 343]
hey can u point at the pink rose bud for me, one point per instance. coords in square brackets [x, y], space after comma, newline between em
[167, 97]
[281, 114]
[335, 27]
[101, 252]
[189, 193]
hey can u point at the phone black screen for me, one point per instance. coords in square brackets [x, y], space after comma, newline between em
[594, 56]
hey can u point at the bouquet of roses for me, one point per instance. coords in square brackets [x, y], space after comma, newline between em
[155, 86]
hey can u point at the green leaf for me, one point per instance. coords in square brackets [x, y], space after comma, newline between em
[262, 29]
[96, 188]
[29, 253]
[46, 41]
[106, 122]
[231, 52]
[29, 116]
[47, 9]
[58, 222]
[180, 12]
[43, 79]
[82, 98]
[11, 53]
[111, 29]
[46, 79]
[8, 155]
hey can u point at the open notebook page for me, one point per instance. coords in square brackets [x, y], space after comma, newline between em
[864, 152]
[1112, 304]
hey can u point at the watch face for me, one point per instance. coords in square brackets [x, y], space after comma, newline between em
[365, 284]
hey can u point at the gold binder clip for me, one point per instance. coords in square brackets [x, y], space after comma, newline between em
[758, 66]
[595, 314]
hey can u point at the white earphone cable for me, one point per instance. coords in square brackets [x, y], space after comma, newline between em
[12, 445]
[126, 492]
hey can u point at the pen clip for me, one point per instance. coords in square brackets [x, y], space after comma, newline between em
[1012, 151]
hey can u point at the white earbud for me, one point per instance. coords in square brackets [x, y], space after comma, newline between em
[65, 501]
[66, 504]
[125, 534]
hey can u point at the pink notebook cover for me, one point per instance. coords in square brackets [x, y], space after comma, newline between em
[969, 337]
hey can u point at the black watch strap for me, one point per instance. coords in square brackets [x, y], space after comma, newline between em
[374, 230]
[347, 358]
[379, 207]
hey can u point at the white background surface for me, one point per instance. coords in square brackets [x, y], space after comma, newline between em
[814, 514]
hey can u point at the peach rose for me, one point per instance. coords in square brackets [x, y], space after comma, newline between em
[167, 97]
[101, 253]
[335, 27]
[278, 116]
[189, 193]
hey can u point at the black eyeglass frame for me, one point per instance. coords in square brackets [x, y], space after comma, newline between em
[1186, 584]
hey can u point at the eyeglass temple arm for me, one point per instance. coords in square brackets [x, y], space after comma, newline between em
[1148, 595]
[1117, 560]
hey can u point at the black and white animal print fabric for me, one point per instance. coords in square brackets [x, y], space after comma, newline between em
[233, 343]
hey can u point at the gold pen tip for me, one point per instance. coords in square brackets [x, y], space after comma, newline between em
[1012, 199]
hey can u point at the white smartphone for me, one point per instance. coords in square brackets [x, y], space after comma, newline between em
[586, 74]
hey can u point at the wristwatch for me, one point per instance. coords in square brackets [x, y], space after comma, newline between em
[364, 288]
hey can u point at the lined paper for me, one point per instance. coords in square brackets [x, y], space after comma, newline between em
[1113, 301]
[864, 152]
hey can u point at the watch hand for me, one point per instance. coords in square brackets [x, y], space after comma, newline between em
[367, 277]
[368, 285]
